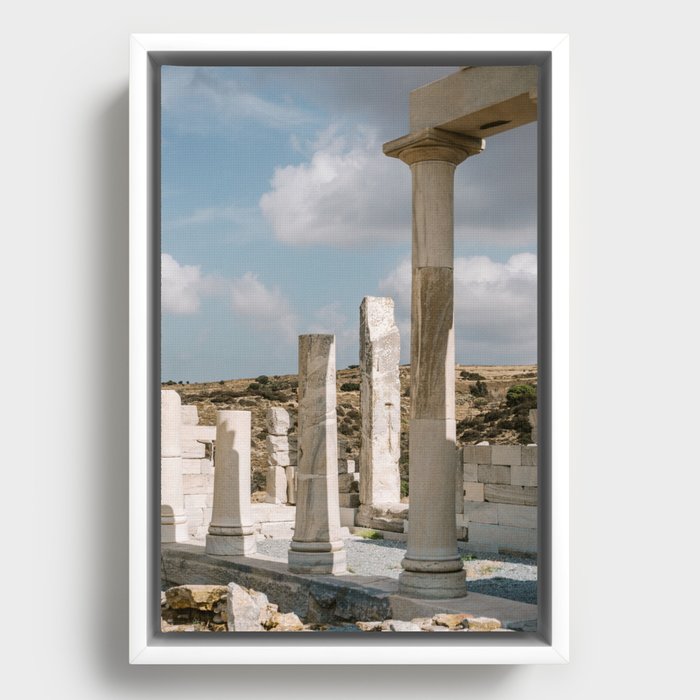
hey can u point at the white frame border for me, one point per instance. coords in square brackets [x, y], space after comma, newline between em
[141, 647]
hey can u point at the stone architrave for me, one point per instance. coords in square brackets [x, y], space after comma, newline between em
[380, 402]
[317, 547]
[173, 520]
[231, 530]
[432, 565]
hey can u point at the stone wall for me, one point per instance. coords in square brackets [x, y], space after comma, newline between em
[499, 487]
[197, 471]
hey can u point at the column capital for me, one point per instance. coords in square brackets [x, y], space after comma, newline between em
[434, 144]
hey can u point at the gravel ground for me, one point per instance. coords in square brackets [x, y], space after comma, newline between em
[501, 575]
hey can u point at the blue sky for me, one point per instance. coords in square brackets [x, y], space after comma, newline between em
[280, 213]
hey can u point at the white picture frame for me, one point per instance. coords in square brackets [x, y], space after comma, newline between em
[547, 647]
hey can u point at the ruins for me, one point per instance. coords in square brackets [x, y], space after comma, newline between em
[484, 493]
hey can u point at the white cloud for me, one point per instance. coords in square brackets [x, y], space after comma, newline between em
[344, 195]
[267, 308]
[332, 319]
[199, 98]
[180, 286]
[495, 308]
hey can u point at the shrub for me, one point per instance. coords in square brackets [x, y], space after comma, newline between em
[522, 394]
[479, 389]
[480, 401]
[404, 487]
[350, 386]
[262, 379]
[221, 381]
[353, 366]
[472, 376]
[253, 386]
[369, 534]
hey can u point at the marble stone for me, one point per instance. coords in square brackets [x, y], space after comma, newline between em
[317, 547]
[173, 519]
[279, 421]
[291, 474]
[380, 402]
[276, 485]
[190, 416]
[231, 530]
[278, 450]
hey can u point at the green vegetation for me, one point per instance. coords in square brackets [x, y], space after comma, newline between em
[471, 376]
[369, 534]
[350, 386]
[479, 389]
[521, 394]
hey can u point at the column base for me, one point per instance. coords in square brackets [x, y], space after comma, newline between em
[174, 531]
[231, 545]
[436, 585]
[317, 562]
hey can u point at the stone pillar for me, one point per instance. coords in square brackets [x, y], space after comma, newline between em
[316, 547]
[231, 529]
[281, 456]
[380, 402]
[173, 521]
[432, 566]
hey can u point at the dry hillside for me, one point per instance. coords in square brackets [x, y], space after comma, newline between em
[482, 410]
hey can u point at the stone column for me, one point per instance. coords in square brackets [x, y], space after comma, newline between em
[380, 402]
[432, 566]
[231, 529]
[316, 547]
[173, 520]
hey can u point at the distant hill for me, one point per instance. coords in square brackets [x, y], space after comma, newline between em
[483, 412]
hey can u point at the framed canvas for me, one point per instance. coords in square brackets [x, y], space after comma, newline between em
[269, 190]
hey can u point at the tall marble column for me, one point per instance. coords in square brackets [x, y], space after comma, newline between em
[231, 529]
[432, 565]
[317, 547]
[380, 402]
[173, 520]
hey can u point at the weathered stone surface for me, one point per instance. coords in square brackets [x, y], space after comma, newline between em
[348, 483]
[481, 512]
[517, 495]
[198, 597]
[170, 423]
[279, 421]
[524, 476]
[495, 538]
[494, 474]
[383, 517]
[482, 624]
[516, 516]
[473, 492]
[432, 344]
[276, 485]
[348, 500]
[347, 466]
[470, 472]
[189, 415]
[369, 626]
[380, 402]
[451, 620]
[399, 626]
[278, 450]
[423, 622]
[291, 472]
[506, 454]
[532, 415]
[231, 529]
[283, 622]
[477, 454]
[246, 610]
[317, 546]
[529, 455]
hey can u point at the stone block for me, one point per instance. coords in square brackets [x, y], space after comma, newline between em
[278, 451]
[348, 483]
[470, 472]
[279, 421]
[276, 485]
[529, 455]
[196, 500]
[480, 513]
[192, 449]
[459, 480]
[524, 476]
[195, 517]
[347, 517]
[291, 473]
[516, 516]
[532, 415]
[349, 500]
[189, 415]
[476, 454]
[500, 537]
[473, 492]
[517, 495]
[506, 454]
[347, 466]
[494, 474]
[207, 467]
[191, 466]
[197, 483]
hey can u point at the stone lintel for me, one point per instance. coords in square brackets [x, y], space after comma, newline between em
[434, 144]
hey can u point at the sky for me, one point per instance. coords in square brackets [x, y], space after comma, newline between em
[279, 213]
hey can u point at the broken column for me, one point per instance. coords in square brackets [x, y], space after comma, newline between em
[231, 529]
[316, 547]
[173, 521]
[281, 456]
[380, 402]
[432, 565]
